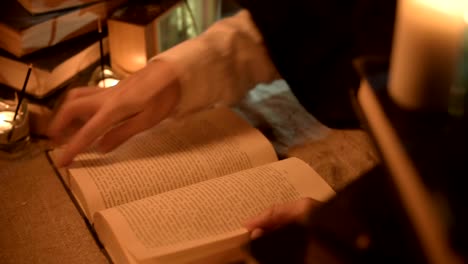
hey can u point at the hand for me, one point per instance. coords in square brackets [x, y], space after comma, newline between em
[111, 116]
[280, 215]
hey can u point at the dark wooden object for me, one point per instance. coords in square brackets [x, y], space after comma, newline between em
[410, 209]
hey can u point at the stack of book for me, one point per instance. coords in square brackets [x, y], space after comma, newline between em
[59, 38]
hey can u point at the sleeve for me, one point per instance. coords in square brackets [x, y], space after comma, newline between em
[313, 43]
[220, 65]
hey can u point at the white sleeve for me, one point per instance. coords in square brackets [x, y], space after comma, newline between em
[220, 65]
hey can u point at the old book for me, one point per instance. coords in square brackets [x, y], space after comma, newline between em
[181, 191]
[23, 33]
[45, 6]
[52, 67]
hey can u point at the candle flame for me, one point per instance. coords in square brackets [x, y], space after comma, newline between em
[6, 121]
[108, 83]
[107, 72]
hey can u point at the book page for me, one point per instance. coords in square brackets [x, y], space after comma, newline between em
[202, 218]
[206, 145]
[63, 172]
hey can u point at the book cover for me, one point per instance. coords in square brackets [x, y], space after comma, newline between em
[43, 6]
[52, 66]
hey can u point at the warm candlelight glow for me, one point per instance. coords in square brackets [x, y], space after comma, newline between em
[108, 82]
[450, 7]
[14, 126]
[107, 72]
[466, 13]
[426, 49]
[6, 121]
[104, 78]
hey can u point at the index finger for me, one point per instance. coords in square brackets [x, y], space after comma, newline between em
[80, 109]
[96, 126]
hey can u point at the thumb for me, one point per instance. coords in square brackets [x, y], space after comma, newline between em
[280, 214]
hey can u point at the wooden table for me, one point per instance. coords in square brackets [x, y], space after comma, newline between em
[39, 223]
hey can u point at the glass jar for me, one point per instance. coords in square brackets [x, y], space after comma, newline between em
[14, 134]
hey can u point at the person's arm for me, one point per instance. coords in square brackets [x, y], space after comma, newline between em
[219, 66]
[222, 64]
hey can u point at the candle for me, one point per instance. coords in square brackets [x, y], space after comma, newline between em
[108, 82]
[426, 47]
[104, 78]
[6, 121]
[14, 132]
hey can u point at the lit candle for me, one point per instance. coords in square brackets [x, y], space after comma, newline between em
[426, 48]
[107, 79]
[13, 131]
[6, 121]
[108, 82]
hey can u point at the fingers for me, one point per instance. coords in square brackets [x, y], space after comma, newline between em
[150, 116]
[68, 116]
[64, 119]
[256, 233]
[84, 119]
[84, 116]
[121, 133]
[80, 92]
[280, 215]
[137, 103]
[104, 119]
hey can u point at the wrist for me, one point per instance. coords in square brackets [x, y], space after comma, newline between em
[163, 75]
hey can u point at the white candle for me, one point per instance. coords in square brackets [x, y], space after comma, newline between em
[6, 121]
[426, 49]
[108, 82]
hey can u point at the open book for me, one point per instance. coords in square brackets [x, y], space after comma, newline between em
[180, 192]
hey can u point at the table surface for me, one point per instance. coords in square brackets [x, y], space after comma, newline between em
[39, 223]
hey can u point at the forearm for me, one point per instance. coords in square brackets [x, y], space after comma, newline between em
[221, 65]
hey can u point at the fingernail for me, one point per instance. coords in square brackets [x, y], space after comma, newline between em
[256, 233]
[62, 162]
